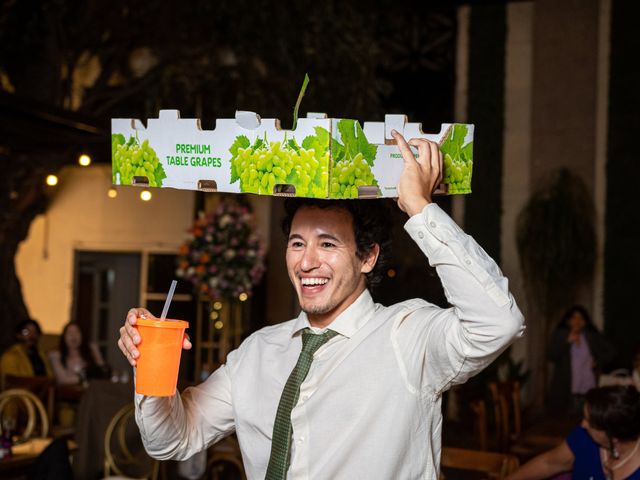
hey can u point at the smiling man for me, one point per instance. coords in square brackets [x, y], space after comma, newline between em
[325, 266]
[350, 388]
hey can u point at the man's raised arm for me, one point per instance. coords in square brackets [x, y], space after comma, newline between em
[449, 345]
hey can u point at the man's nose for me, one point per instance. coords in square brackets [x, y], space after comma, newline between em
[310, 259]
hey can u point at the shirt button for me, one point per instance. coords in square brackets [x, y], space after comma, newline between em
[300, 440]
[433, 224]
[420, 235]
[467, 261]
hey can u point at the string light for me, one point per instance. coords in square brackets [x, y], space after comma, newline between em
[112, 193]
[145, 195]
[213, 316]
[218, 325]
[52, 180]
[84, 160]
[391, 273]
[243, 297]
[217, 305]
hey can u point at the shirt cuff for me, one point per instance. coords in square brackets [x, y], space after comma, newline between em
[432, 227]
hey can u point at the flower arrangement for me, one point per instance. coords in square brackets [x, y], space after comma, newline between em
[222, 256]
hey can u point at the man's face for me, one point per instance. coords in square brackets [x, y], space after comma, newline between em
[322, 262]
[28, 335]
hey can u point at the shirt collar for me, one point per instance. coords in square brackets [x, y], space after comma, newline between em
[348, 322]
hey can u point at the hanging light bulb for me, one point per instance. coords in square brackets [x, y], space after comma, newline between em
[145, 195]
[112, 193]
[243, 297]
[84, 160]
[52, 180]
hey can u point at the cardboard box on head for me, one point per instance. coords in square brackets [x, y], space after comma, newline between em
[321, 158]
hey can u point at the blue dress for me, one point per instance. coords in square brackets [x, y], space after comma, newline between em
[587, 464]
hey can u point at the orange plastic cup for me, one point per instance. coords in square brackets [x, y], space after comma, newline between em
[160, 348]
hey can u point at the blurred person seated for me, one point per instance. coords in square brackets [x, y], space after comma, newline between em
[578, 351]
[604, 447]
[25, 358]
[76, 360]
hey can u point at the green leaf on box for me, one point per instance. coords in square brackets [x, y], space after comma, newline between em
[348, 136]
[293, 145]
[318, 142]
[367, 149]
[117, 139]
[241, 141]
[259, 143]
[453, 143]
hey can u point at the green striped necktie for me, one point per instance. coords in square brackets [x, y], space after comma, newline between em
[281, 439]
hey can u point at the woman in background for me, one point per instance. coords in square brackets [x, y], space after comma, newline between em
[606, 446]
[76, 360]
[577, 351]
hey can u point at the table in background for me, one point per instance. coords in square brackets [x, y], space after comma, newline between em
[24, 455]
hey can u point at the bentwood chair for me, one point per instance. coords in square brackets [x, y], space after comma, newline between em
[124, 455]
[15, 403]
[41, 386]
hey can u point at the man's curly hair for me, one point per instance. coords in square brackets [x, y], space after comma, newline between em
[371, 225]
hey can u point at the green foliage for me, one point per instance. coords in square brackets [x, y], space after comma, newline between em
[556, 241]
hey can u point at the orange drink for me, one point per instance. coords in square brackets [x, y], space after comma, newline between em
[160, 348]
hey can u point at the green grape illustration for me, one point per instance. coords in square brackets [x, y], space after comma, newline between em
[458, 160]
[352, 161]
[348, 175]
[262, 166]
[131, 159]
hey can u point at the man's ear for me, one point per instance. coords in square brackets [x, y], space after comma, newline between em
[370, 262]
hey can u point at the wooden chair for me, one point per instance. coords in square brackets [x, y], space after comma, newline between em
[41, 386]
[495, 465]
[13, 403]
[511, 437]
[479, 410]
[507, 412]
[124, 454]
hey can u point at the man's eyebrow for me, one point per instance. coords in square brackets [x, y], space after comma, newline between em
[328, 236]
[324, 236]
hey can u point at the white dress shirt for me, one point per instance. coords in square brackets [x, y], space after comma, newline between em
[370, 405]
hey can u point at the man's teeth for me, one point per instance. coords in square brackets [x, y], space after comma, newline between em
[314, 281]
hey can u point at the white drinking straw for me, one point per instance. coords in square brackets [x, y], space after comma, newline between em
[167, 302]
